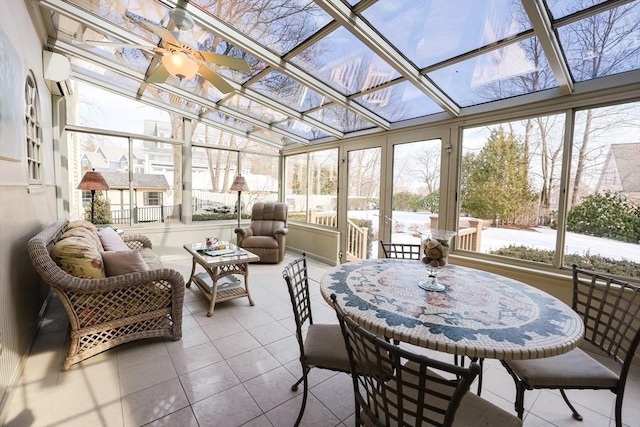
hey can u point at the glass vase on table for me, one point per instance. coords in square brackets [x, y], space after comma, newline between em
[435, 250]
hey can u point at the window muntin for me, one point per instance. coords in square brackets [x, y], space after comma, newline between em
[152, 198]
[33, 130]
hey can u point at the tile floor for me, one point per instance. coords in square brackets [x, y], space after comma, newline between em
[235, 369]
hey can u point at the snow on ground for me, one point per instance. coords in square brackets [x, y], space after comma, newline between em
[538, 238]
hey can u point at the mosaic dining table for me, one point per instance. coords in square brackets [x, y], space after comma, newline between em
[479, 314]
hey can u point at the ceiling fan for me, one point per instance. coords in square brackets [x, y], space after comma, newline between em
[180, 56]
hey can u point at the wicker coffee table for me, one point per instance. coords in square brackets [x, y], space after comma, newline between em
[216, 265]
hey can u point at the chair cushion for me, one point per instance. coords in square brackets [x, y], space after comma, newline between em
[266, 242]
[324, 348]
[573, 369]
[111, 241]
[123, 262]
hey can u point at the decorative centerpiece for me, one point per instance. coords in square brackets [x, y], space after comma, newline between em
[435, 246]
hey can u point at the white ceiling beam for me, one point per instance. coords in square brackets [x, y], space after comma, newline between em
[363, 31]
[541, 24]
[236, 38]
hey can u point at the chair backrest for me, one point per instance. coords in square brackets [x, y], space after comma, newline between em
[297, 280]
[421, 391]
[401, 250]
[266, 217]
[610, 310]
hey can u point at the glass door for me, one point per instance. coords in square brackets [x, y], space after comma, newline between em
[415, 189]
[362, 225]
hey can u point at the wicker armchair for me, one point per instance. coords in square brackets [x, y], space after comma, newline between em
[104, 313]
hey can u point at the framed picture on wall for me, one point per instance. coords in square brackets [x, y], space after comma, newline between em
[11, 101]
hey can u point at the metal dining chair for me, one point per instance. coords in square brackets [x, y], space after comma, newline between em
[401, 250]
[610, 310]
[323, 347]
[416, 390]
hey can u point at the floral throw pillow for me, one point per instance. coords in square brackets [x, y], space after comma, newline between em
[79, 257]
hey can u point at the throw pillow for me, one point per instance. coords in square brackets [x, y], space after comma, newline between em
[111, 241]
[79, 257]
[81, 224]
[123, 262]
[85, 233]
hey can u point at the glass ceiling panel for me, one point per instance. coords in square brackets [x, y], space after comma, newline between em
[345, 63]
[340, 118]
[434, 30]
[257, 111]
[562, 8]
[236, 123]
[516, 69]
[301, 129]
[279, 25]
[603, 44]
[108, 77]
[288, 91]
[399, 102]
[75, 33]
[117, 11]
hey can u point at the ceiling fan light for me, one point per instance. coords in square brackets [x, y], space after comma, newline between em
[180, 65]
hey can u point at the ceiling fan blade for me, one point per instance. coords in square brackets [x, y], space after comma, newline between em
[227, 61]
[159, 75]
[123, 45]
[161, 32]
[212, 77]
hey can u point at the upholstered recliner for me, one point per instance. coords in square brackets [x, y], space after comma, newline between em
[266, 236]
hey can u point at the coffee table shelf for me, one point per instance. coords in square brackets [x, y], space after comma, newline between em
[217, 267]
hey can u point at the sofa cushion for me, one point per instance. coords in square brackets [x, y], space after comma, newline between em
[111, 241]
[79, 257]
[85, 233]
[81, 224]
[151, 259]
[123, 262]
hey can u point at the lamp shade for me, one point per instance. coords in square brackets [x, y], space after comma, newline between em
[239, 184]
[93, 181]
[180, 65]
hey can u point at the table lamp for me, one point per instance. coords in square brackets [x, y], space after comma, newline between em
[239, 185]
[93, 181]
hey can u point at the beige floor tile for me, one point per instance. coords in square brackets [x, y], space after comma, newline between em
[194, 358]
[236, 344]
[146, 374]
[182, 418]
[140, 351]
[230, 408]
[550, 407]
[252, 363]
[336, 394]
[153, 403]
[284, 350]
[208, 381]
[272, 388]
[257, 317]
[261, 421]
[223, 328]
[195, 337]
[270, 332]
[315, 413]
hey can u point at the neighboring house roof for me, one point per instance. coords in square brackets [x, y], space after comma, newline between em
[96, 160]
[118, 181]
[621, 169]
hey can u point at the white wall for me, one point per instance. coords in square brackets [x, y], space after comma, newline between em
[24, 209]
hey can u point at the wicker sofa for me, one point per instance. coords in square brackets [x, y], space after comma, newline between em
[106, 312]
